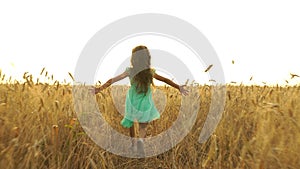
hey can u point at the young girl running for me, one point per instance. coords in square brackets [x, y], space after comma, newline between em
[139, 105]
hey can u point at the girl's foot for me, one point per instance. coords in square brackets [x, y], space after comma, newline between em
[140, 147]
[133, 148]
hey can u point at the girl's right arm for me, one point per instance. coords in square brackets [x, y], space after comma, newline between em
[111, 81]
[171, 83]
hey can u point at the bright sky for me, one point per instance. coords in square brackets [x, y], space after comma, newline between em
[262, 37]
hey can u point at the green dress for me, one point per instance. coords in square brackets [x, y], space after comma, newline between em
[139, 106]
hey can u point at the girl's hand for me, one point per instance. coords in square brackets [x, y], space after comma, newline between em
[183, 90]
[95, 90]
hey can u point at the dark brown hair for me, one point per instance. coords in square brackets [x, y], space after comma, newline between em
[142, 75]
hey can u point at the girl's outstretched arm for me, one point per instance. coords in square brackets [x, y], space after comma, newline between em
[171, 83]
[111, 81]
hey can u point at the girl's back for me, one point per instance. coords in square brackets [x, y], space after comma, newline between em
[139, 104]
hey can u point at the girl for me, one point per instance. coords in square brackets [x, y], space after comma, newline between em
[139, 104]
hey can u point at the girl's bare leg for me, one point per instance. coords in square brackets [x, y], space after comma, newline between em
[142, 134]
[132, 134]
[142, 130]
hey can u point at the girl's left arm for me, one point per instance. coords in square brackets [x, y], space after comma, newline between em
[111, 81]
[171, 83]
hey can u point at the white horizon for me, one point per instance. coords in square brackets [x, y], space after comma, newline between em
[262, 37]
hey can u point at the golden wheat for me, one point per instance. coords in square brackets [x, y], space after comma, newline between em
[259, 128]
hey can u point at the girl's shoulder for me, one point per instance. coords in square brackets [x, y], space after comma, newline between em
[128, 69]
[153, 70]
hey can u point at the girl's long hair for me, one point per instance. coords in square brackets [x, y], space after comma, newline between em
[141, 71]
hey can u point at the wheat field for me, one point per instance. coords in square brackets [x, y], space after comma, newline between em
[260, 128]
